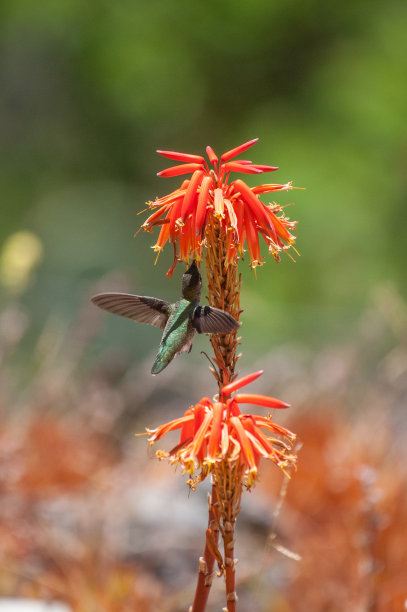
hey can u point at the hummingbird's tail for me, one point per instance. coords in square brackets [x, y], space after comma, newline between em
[158, 366]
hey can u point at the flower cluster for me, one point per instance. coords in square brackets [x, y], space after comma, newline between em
[185, 213]
[215, 431]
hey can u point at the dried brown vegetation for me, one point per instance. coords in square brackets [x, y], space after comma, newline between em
[87, 517]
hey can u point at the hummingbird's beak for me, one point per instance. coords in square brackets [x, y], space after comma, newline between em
[192, 267]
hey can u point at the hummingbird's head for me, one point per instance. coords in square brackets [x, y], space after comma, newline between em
[192, 283]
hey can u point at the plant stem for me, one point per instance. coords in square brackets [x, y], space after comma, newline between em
[228, 478]
[207, 561]
[224, 293]
[224, 285]
[228, 541]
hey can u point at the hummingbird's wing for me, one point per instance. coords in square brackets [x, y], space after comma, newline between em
[141, 308]
[208, 320]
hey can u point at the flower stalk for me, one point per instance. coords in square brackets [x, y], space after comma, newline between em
[228, 480]
[224, 285]
[208, 215]
[207, 561]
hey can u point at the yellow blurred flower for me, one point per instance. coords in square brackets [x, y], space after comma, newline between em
[21, 253]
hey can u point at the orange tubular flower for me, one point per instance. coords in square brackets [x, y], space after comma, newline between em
[184, 214]
[214, 431]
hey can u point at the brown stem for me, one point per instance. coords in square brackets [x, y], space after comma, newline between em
[229, 547]
[223, 292]
[228, 479]
[224, 284]
[207, 562]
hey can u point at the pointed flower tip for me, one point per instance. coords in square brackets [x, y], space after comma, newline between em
[263, 168]
[244, 168]
[237, 150]
[213, 158]
[240, 382]
[183, 157]
[260, 400]
[188, 168]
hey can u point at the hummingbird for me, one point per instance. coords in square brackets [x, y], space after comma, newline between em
[180, 320]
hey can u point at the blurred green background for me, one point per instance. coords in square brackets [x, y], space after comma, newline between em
[89, 91]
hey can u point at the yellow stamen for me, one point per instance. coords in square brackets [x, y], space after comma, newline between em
[219, 204]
